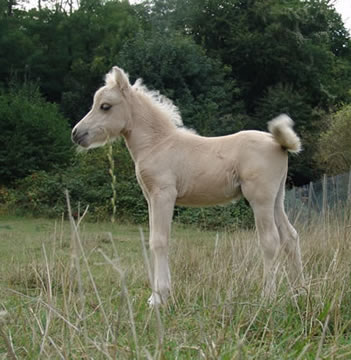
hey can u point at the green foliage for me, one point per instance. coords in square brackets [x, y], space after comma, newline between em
[180, 69]
[67, 52]
[94, 34]
[33, 134]
[335, 142]
[269, 42]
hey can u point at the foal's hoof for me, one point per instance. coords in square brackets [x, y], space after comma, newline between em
[154, 300]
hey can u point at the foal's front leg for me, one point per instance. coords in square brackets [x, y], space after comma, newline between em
[161, 212]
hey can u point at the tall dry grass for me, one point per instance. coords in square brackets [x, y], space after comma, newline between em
[84, 297]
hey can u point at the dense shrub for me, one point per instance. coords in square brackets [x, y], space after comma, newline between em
[34, 136]
[231, 216]
[335, 142]
[89, 183]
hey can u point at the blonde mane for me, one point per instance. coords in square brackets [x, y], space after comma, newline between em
[164, 104]
[161, 102]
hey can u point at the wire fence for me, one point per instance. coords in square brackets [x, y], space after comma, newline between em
[317, 200]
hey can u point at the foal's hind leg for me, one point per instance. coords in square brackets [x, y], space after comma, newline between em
[289, 239]
[262, 203]
[161, 211]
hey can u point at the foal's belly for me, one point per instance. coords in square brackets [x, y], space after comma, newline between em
[210, 193]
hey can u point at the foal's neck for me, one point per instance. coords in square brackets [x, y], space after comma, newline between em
[149, 126]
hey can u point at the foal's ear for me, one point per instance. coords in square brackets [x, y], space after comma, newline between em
[121, 78]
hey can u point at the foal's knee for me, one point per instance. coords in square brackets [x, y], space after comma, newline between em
[158, 247]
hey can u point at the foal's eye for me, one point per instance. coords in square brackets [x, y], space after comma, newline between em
[105, 107]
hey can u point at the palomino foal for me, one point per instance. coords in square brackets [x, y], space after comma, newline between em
[176, 166]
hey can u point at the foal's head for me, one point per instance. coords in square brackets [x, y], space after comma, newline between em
[109, 114]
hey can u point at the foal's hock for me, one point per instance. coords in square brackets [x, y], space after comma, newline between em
[177, 166]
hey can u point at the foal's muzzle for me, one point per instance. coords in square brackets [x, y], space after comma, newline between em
[78, 137]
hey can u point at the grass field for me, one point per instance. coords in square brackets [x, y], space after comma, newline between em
[64, 296]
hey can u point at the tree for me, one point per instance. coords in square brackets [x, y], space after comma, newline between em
[65, 53]
[94, 34]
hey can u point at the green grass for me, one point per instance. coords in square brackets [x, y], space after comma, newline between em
[85, 297]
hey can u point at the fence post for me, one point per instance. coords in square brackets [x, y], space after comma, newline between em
[309, 204]
[293, 204]
[348, 199]
[325, 206]
[324, 196]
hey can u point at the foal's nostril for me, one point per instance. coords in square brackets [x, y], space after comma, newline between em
[78, 137]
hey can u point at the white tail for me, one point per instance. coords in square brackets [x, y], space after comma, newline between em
[281, 128]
